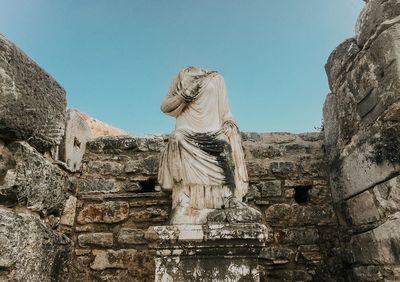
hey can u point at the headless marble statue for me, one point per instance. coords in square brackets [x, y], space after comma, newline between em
[203, 163]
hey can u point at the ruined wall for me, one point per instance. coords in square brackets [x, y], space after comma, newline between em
[33, 188]
[118, 199]
[361, 123]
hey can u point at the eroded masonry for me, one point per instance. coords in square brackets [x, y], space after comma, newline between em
[81, 202]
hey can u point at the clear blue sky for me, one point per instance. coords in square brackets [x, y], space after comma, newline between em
[116, 59]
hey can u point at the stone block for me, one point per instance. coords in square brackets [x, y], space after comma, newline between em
[118, 144]
[131, 236]
[103, 168]
[29, 250]
[367, 273]
[297, 236]
[387, 195]
[107, 212]
[152, 214]
[358, 172]
[147, 166]
[378, 246]
[299, 215]
[277, 253]
[339, 59]
[111, 259]
[100, 239]
[34, 181]
[217, 252]
[362, 209]
[32, 103]
[77, 134]
[68, 215]
[310, 252]
[270, 188]
[282, 168]
[95, 185]
[372, 16]
[260, 150]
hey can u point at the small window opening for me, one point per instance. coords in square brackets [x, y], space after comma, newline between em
[148, 185]
[301, 195]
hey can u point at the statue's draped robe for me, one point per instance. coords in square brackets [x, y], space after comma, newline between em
[201, 165]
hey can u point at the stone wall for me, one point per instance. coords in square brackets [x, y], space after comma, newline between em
[33, 188]
[361, 122]
[118, 199]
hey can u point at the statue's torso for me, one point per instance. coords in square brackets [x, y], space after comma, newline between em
[202, 115]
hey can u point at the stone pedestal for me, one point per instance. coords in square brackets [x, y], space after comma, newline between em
[215, 252]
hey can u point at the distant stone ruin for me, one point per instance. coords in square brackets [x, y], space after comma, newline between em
[79, 206]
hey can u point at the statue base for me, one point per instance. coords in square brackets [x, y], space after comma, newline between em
[213, 252]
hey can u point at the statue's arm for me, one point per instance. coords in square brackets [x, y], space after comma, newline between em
[171, 105]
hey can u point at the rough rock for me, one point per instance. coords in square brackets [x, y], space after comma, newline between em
[29, 250]
[32, 103]
[387, 195]
[373, 15]
[358, 172]
[34, 181]
[362, 209]
[378, 246]
[339, 59]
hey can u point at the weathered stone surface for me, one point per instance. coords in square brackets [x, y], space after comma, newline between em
[35, 181]
[77, 134]
[152, 214]
[339, 59]
[29, 250]
[299, 215]
[387, 195]
[202, 233]
[96, 239]
[362, 209]
[132, 187]
[282, 168]
[221, 256]
[331, 127]
[358, 172]
[32, 103]
[107, 212]
[147, 166]
[378, 246]
[68, 215]
[310, 252]
[104, 167]
[235, 215]
[298, 236]
[373, 15]
[110, 259]
[95, 185]
[277, 253]
[367, 273]
[270, 188]
[118, 144]
[131, 236]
